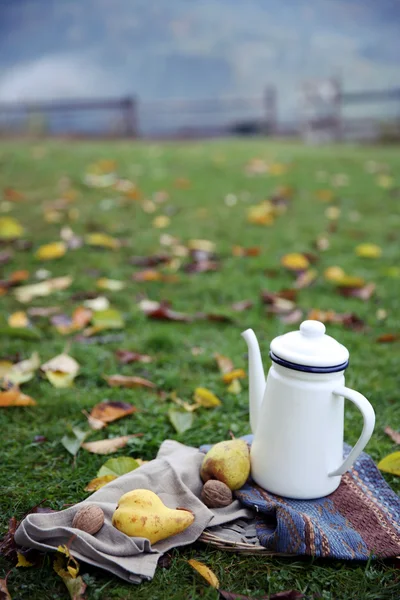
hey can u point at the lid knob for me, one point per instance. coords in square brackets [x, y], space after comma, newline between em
[312, 328]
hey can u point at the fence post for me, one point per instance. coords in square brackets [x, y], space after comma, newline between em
[129, 107]
[270, 103]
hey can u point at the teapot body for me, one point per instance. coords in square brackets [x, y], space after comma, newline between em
[298, 441]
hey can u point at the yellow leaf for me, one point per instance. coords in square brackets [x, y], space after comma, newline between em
[205, 572]
[332, 213]
[22, 562]
[206, 398]
[107, 446]
[61, 370]
[72, 564]
[369, 251]
[261, 214]
[113, 285]
[277, 169]
[235, 387]
[384, 181]
[10, 228]
[325, 195]
[128, 381]
[295, 261]
[334, 274]
[235, 374]
[99, 482]
[5, 368]
[350, 281]
[391, 463]
[161, 221]
[224, 363]
[51, 251]
[201, 245]
[18, 319]
[102, 240]
[14, 397]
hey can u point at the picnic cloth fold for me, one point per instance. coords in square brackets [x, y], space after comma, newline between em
[174, 475]
[361, 519]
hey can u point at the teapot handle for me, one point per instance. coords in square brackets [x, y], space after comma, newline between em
[369, 421]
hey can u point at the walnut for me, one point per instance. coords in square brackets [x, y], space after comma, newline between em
[89, 518]
[216, 494]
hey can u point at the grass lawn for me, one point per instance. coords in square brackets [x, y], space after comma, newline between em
[209, 196]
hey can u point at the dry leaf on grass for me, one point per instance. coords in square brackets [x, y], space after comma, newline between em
[295, 262]
[232, 375]
[391, 463]
[129, 381]
[61, 370]
[386, 338]
[224, 363]
[14, 397]
[27, 293]
[22, 371]
[126, 357]
[108, 446]
[368, 251]
[4, 593]
[109, 411]
[99, 482]
[205, 398]
[394, 435]
[205, 572]
[51, 251]
[68, 570]
[162, 312]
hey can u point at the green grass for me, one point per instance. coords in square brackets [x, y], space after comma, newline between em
[31, 473]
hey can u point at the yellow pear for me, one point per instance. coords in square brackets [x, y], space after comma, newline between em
[228, 462]
[141, 513]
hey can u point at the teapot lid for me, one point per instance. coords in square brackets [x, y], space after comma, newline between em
[309, 349]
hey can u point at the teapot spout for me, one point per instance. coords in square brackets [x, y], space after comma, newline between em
[256, 377]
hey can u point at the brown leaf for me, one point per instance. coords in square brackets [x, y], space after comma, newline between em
[242, 305]
[305, 279]
[224, 363]
[394, 435]
[4, 593]
[292, 317]
[214, 317]
[364, 293]
[201, 266]
[150, 261]
[5, 257]
[129, 381]
[126, 357]
[108, 446]
[240, 251]
[14, 397]
[109, 411]
[386, 338]
[162, 312]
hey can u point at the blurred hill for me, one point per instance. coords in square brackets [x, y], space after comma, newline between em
[194, 49]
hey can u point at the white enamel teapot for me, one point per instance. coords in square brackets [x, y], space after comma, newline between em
[297, 415]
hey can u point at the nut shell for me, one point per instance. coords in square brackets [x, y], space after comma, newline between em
[216, 494]
[89, 518]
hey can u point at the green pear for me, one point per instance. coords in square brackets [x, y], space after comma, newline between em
[228, 462]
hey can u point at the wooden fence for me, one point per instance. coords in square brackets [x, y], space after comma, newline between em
[130, 117]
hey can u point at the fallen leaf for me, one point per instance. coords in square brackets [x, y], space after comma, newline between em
[391, 463]
[232, 375]
[224, 363]
[368, 251]
[126, 357]
[201, 266]
[110, 411]
[364, 293]
[102, 240]
[22, 561]
[394, 435]
[161, 222]
[99, 482]
[68, 571]
[242, 305]
[51, 251]
[43, 311]
[118, 466]
[4, 593]
[333, 213]
[261, 214]
[14, 397]
[72, 440]
[61, 370]
[150, 261]
[129, 381]
[292, 317]
[98, 303]
[18, 319]
[305, 279]
[10, 228]
[113, 285]
[107, 319]
[181, 420]
[108, 446]
[205, 572]
[205, 398]
[24, 370]
[325, 195]
[386, 338]
[162, 312]
[27, 293]
[295, 261]
[234, 387]
[251, 251]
